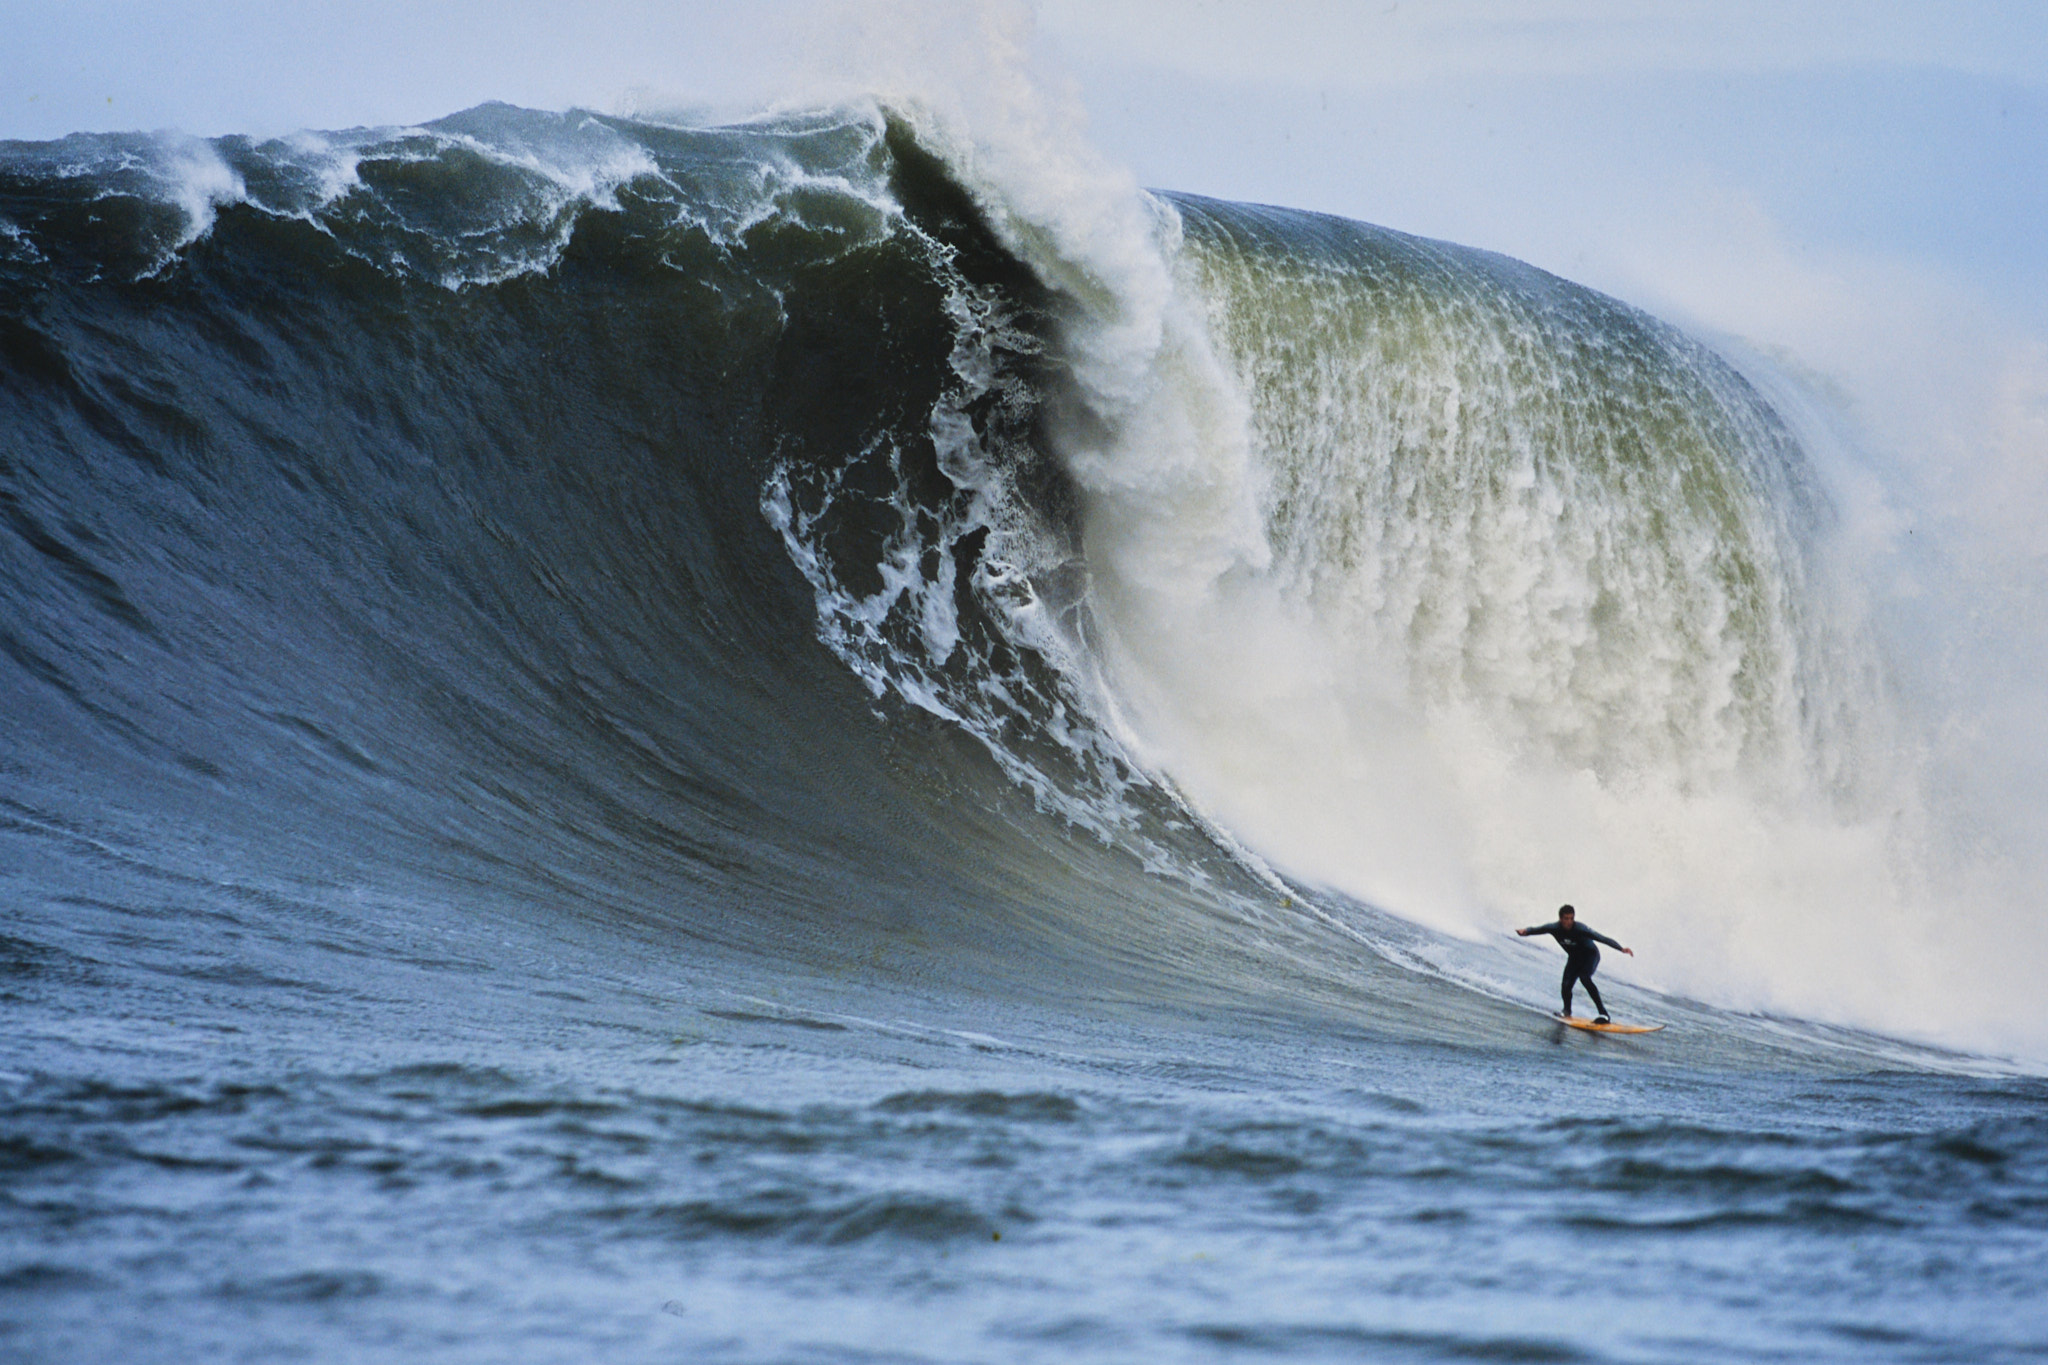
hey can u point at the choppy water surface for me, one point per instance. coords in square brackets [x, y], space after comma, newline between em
[756, 1169]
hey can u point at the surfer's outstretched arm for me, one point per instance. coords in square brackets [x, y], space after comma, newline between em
[1550, 928]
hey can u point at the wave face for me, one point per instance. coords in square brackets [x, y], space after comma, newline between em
[1558, 512]
[466, 506]
[797, 537]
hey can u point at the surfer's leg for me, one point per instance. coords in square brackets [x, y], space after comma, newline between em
[1583, 965]
[1570, 972]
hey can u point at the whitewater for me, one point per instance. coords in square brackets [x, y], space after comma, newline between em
[842, 736]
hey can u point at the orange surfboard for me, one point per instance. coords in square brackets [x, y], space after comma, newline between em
[1591, 1027]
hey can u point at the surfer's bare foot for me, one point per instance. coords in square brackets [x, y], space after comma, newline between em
[1603, 1019]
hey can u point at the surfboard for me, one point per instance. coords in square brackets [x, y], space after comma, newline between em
[1591, 1027]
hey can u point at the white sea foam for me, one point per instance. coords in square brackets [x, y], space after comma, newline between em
[1469, 691]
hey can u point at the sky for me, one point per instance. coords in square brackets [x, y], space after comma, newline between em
[212, 66]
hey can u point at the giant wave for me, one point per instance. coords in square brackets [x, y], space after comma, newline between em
[792, 538]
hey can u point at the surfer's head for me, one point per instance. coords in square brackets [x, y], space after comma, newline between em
[1565, 912]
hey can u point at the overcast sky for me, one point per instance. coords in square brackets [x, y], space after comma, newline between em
[211, 66]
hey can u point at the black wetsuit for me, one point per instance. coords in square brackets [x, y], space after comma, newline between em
[1581, 958]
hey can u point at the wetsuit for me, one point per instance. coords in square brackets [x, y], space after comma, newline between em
[1581, 958]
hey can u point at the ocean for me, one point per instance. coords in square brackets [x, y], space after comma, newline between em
[822, 740]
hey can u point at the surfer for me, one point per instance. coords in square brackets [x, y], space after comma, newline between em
[1581, 957]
